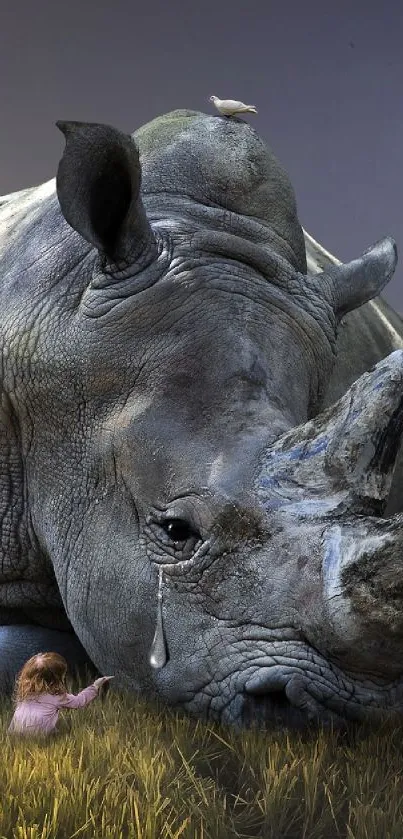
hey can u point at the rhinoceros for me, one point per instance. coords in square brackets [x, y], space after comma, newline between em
[201, 415]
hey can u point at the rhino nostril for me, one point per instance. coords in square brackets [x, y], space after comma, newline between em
[277, 699]
[280, 693]
[265, 695]
[267, 680]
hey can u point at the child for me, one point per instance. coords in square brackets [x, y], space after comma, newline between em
[40, 692]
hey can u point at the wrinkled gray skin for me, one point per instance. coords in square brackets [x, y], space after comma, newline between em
[171, 491]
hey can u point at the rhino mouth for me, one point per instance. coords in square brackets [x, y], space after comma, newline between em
[282, 697]
[274, 699]
[274, 711]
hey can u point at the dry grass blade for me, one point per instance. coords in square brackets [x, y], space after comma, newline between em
[128, 770]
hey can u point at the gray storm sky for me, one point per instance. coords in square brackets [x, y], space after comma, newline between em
[326, 77]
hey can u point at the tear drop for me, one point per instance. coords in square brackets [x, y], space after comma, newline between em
[159, 652]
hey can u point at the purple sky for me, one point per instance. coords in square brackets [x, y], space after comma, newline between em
[327, 79]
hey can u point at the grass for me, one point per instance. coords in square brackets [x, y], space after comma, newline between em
[122, 769]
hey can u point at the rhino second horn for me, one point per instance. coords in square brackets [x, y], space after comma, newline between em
[98, 186]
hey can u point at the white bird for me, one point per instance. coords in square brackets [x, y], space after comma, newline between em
[229, 107]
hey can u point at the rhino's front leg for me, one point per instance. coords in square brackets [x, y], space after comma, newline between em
[20, 642]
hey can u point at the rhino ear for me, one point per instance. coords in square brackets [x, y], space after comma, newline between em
[356, 282]
[98, 187]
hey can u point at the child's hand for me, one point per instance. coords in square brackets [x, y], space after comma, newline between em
[101, 681]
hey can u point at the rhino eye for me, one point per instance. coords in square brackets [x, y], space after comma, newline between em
[178, 530]
[176, 536]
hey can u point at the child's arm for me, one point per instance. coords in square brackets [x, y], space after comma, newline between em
[79, 700]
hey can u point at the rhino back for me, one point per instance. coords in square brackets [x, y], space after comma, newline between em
[20, 210]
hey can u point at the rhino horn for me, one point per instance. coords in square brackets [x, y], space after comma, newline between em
[98, 187]
[346, 453]
[363, 582]
[354, 283]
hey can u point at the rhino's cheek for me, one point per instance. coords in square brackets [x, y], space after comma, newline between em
[111, 603]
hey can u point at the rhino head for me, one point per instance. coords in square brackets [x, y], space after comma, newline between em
[213, 540]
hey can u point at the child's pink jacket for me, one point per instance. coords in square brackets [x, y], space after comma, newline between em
[39, 714]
